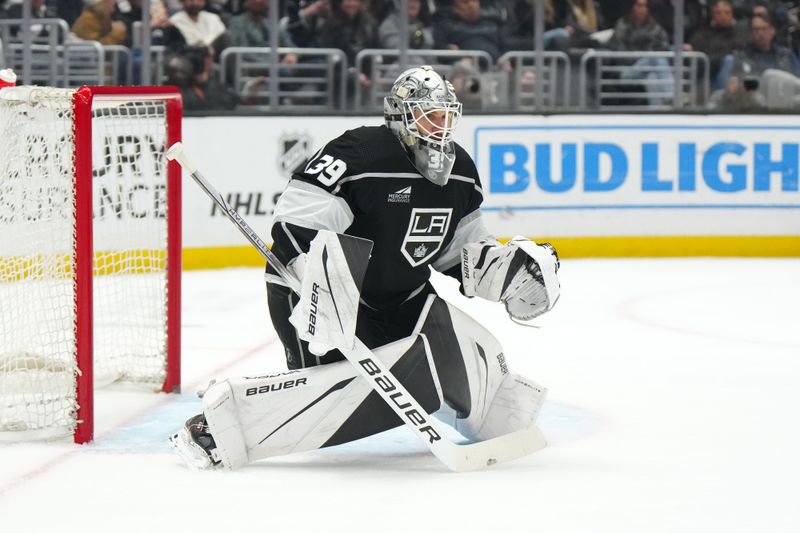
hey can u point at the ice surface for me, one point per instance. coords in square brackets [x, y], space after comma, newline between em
[674, 399]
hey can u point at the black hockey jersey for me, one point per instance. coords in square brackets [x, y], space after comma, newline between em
[364, 184]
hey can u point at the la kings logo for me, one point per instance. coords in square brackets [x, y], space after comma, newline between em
[426, 231]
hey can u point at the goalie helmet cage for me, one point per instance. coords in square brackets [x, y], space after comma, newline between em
[90, 252]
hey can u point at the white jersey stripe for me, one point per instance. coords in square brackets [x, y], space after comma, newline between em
[407, 175]
[312, 207]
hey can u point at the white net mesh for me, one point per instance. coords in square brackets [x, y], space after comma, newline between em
[130, 239]
[37, 235]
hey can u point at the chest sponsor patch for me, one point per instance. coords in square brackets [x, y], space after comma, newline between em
[403, 196]
[427, 228]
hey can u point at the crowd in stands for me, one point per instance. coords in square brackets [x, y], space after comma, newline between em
[742, 39]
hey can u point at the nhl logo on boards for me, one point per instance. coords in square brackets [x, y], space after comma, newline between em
[427, 229]
[403, 196]
[294, 149]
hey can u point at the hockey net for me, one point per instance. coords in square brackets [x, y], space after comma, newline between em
[89, 252]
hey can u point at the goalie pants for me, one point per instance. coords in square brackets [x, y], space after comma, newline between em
[374, 328]
[449, 363]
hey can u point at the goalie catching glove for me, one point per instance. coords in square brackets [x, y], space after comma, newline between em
[520, 273]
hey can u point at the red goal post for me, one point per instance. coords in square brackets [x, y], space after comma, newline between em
[90, 251]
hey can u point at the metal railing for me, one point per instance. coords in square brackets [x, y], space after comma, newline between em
[120, 65]
[556, 82]
[68, 65]
[315, 82]
[83, 64]
[42, 56]
[322, 81]
[47, 31]
[642, 80]
[381, 67]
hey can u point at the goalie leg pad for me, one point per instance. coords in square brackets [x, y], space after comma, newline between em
[515, 406]
[219, 407]
[257, 417]
[483, 399]
[451, 364]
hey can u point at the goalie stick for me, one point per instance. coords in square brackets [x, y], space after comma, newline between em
[457, 457]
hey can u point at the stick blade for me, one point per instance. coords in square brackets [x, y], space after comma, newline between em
[479, 455]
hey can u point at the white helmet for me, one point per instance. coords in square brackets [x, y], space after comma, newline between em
[422, 110]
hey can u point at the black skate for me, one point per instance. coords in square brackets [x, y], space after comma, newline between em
[195, 444]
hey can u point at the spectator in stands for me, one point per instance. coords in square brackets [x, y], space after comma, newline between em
[639, 32]
[305, 20]
[131, 14]
[173, 6]
[793, 27]
[69, 10]
[466, 81]
[38, 10]
[420, 31]
[159, 21]
[351, 29]
[719, 40]
[465, 26]
[224, 8]
[663, 11]
[380, 9]
[191, 72]
[582, 20]
[251, 28]
[520, 25]
[760, 8]
[568, 24]
[95, 23]
[738, 96]
[197, 27]
[762, 52]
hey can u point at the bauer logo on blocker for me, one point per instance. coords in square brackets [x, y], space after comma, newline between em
[427, 228]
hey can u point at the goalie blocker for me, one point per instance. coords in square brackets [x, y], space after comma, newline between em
[450, 364]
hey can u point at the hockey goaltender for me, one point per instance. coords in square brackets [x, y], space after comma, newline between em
[407, 187]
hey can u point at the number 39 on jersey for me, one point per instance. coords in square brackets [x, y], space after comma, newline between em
[328, 168]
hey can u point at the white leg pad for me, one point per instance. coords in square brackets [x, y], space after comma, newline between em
[515, 406]
[219, 407]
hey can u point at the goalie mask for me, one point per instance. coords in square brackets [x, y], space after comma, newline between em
[422, 111]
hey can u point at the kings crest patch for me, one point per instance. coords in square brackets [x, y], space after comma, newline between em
[426, 232]
[294, 149]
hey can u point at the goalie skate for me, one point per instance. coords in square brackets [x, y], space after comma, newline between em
[195, 445]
